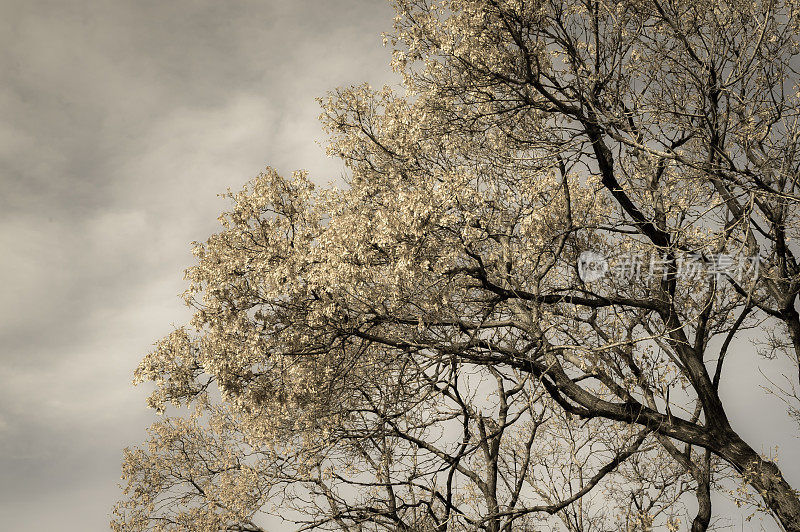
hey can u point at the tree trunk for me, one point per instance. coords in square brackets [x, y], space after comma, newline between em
[792, 320]
[703, 518]
[765, 477]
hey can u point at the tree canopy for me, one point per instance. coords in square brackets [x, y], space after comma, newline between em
[423, 350]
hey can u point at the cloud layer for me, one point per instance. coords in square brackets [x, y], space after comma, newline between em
[120, 122]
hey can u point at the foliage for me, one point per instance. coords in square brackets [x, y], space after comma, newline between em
[417, 351]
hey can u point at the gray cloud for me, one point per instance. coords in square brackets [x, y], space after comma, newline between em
[120, 123]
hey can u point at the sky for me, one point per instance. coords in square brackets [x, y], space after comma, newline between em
[120, 122]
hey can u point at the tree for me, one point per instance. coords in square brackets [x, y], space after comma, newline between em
[424, 350]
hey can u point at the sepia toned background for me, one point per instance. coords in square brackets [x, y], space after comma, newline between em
[120, 122]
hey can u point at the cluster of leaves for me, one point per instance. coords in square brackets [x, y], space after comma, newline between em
[417, 352]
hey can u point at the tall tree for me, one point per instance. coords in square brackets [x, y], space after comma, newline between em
[427, 350]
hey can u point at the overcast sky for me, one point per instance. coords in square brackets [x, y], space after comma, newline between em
[120, 122]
